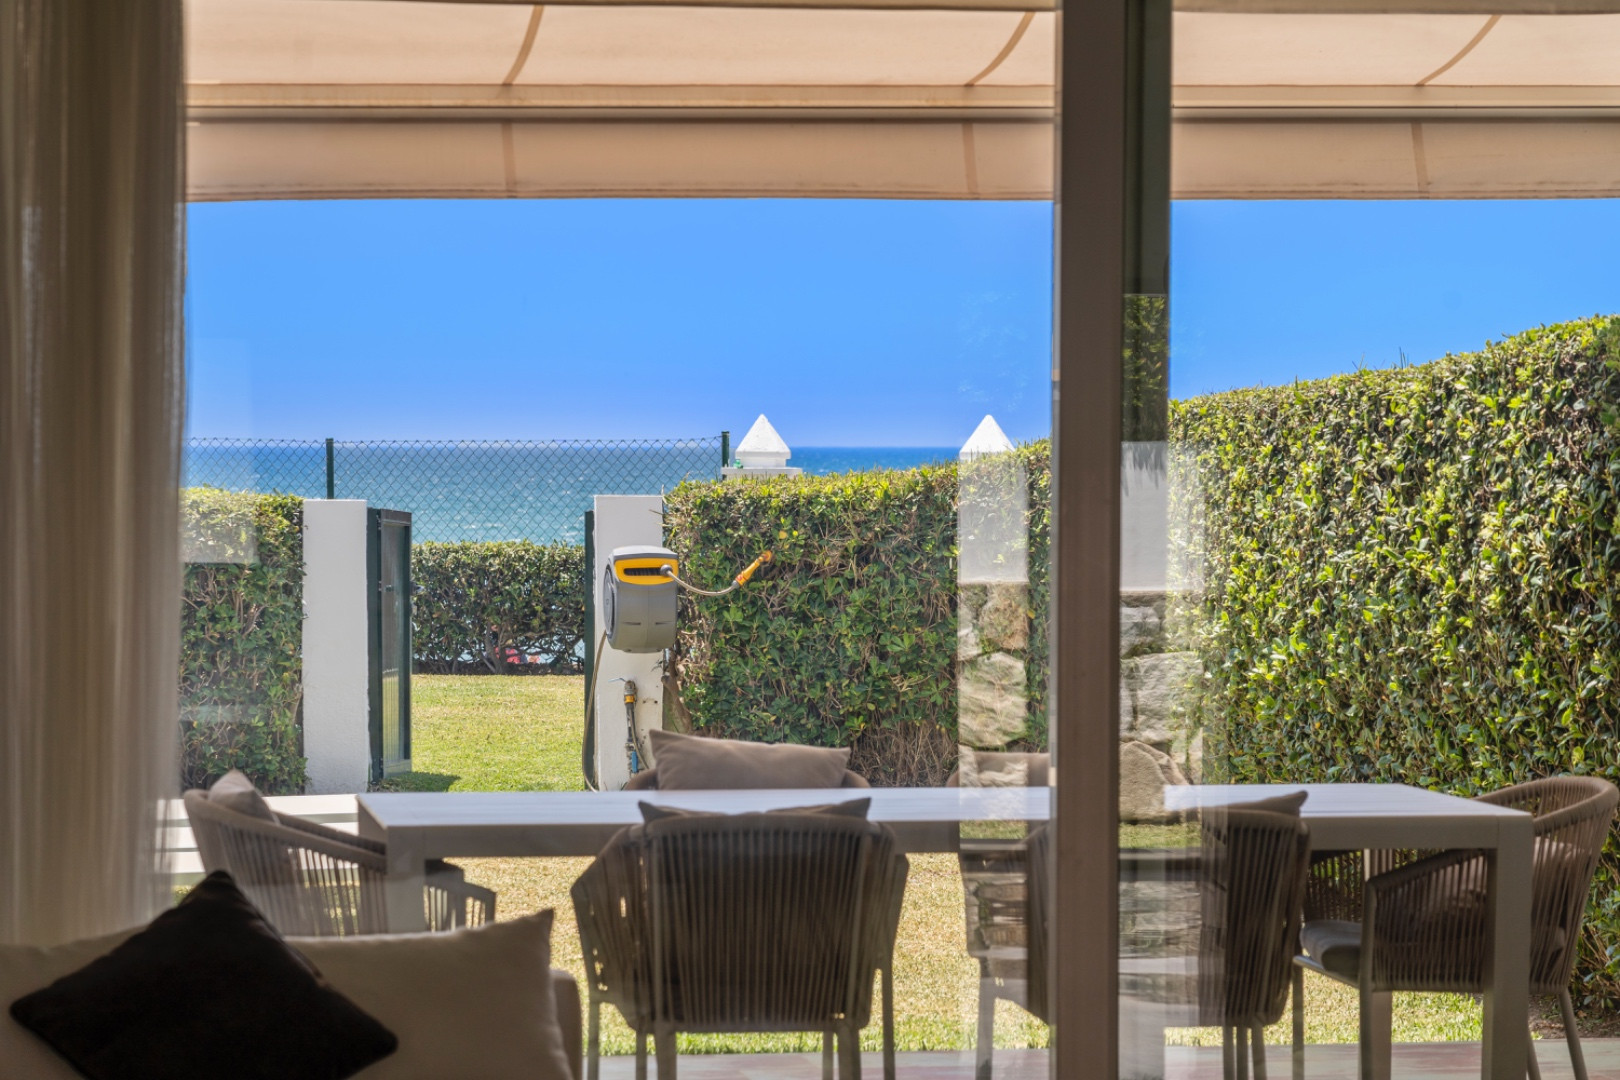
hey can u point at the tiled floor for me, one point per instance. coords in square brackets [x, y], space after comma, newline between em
[1422, 1061]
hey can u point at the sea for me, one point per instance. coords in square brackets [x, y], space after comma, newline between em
[535, 491]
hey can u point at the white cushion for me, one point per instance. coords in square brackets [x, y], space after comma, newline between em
[24, 969]
[234, 791]
[469, 1003]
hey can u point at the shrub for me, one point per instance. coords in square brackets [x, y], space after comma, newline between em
[1412, 575]
[850, 636]
[479, 603]
[241, 638]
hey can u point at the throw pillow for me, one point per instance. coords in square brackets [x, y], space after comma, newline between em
[695, 763]
[208, 985]
[234, 791]
[473, 1002]
[1289, 804]
[855, 808]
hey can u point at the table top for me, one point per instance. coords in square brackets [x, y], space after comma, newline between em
[924, 819]
[1333, 800]
[1344, 816]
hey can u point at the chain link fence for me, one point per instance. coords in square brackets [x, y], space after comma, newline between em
[491, 490]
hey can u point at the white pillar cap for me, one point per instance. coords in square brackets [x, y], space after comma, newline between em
[762, 447]
[987, 438]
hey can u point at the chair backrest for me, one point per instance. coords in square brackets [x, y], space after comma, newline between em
[306, 884]
[1252, 870]
[751, 922]
[647, 780]
[1573, 815]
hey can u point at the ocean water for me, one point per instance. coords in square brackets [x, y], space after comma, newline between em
[497, 490]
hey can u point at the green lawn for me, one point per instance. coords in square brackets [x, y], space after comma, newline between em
[522, 733]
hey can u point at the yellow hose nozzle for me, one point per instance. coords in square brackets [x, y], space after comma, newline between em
[742, 578]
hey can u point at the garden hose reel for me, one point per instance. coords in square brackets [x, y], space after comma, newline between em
[638, 596]
[638, 599]
[640, 588]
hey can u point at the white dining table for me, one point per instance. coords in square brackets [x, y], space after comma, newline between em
[418, 826]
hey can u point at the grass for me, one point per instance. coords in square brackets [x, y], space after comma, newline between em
[522, 733]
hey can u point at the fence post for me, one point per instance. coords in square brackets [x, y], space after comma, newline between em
[725, 449]
[331, 471]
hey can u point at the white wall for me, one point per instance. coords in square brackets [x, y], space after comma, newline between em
[337, 738]
[622, 520]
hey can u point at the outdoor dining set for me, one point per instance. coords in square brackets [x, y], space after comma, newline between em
[743, 887]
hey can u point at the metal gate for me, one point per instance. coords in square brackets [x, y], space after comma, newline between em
[388, 558]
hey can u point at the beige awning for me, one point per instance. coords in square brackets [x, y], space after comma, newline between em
[398, 98]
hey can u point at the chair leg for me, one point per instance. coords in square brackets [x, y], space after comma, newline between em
[1577, 1060]
[593, 1041]
[1241, 1046]
[664, 1047]
[985, 1041]
[1376, 1018]
[849, 1053]
[641, 1055]
[1298, 1056]
[1531, 1065]
[1228, 1062]
[1258, 1035]
[826, 1055]
[888, 1020]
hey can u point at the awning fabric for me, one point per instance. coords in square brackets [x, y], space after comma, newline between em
[398, 98]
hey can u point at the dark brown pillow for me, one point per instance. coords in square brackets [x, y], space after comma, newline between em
[855, 808]
[695, 763]
[208, 989]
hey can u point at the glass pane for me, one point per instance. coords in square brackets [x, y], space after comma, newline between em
[713, 438]
[1371, 398]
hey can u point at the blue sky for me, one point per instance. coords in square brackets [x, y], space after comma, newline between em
[848, 322]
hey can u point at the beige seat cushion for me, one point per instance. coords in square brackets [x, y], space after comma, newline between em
[694, 763]
[24, 969]
[1335, 944]
[472, 1002]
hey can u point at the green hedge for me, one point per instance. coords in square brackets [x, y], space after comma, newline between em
[1412, 575]
[241, 638]
[850, 636]
[477, 600]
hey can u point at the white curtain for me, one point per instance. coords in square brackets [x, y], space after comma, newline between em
[91, 404]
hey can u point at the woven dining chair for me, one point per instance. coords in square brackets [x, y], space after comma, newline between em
[312, 881]
[1251, 870]
[996, 898]
[742, 923]
[1410, 921]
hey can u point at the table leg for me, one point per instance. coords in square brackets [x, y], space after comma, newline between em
[402, 889]
[1507, 969]
[367, 826]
